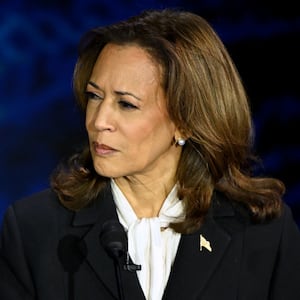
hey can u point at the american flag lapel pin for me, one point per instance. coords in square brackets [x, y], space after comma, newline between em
[204, 243]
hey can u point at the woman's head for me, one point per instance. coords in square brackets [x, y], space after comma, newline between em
[201, 97]
[204, 96]
[130, 132]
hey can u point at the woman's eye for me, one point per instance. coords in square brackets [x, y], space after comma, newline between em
[92, 96]
[127, 105]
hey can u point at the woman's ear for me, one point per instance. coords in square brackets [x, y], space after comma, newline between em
[179, 138]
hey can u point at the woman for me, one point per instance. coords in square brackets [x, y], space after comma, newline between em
[169, 157]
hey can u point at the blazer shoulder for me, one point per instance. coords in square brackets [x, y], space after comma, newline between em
[232, 213]
[39, 207]
[42, 200]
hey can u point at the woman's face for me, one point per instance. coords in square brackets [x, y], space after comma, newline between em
[130, 133]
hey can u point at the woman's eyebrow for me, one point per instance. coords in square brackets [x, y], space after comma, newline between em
[93, 84]
[122, 93]
[127, 93]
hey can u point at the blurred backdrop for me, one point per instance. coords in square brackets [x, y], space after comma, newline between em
[40, 125]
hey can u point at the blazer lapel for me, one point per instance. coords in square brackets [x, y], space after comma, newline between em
[198, 256]
[103, 265]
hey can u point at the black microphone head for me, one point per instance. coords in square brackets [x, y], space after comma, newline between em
[71, 252]
[114, 239]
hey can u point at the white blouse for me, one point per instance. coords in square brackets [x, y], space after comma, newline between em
[148, 245]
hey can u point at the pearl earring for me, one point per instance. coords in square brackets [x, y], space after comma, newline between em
[180, 142]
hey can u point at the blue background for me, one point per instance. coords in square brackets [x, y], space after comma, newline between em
[40, 124]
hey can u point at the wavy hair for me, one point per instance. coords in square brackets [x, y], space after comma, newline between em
[205, 99]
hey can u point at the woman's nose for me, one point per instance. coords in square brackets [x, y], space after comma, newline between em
[104, 116]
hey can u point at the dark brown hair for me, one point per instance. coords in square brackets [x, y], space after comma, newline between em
[205, 99]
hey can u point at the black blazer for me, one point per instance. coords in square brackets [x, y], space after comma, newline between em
[247, 261]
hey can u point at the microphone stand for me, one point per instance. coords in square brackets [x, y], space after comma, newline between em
[71, 285]
[114, 240]
[119, 279]
[71, 252]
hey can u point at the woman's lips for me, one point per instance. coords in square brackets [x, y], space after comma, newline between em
[102, 149]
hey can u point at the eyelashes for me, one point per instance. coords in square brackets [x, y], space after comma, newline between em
[127, 105]
[92, 96]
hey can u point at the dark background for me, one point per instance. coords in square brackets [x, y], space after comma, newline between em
[39, 123]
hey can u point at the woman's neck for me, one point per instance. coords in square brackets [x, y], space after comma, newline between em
[145, 196]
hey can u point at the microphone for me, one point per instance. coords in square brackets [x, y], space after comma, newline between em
[71, 254]
[114, 240]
